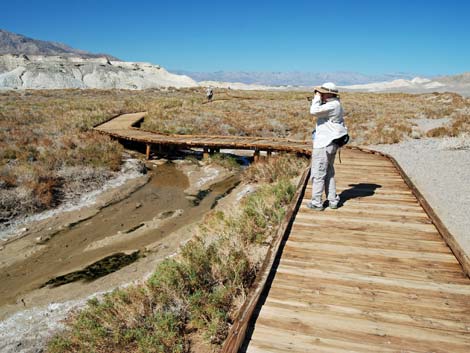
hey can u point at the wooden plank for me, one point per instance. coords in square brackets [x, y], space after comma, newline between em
[314, 222]
[455, 305]
[377, 266]
[319, 225]
[387, 267]
[339, 250]
[458, 289]
[379, 210]
[347, 216]
[382, 263]
[365, 203]
[367, 240]
[395, 222]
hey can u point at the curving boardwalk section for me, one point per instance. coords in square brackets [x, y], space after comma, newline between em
[123, 127]
[375, 275]
[372, 276]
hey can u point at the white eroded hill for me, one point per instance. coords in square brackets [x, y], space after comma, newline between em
[58, 72]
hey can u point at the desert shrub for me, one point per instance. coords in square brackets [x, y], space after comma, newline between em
[225, 160]
[281, 165]
[438, 132]
[44, 132]
[263, 210]
[460, 125]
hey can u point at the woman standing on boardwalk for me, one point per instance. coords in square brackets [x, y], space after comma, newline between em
[329, 129]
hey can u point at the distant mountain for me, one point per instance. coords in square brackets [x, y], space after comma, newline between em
[295, 78]
[456, 83]
[461, 79]
[399, 85]
[13, 43]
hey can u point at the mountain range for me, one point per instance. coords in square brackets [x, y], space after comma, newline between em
[293, 78]
[13, 43]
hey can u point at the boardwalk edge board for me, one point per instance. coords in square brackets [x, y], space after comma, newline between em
[237, 333]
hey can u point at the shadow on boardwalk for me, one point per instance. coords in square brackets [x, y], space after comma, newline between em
[357, 191]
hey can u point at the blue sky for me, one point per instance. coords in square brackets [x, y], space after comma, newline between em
[424, 37]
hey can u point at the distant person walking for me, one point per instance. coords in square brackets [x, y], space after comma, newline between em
[209, 93]
[329, 134]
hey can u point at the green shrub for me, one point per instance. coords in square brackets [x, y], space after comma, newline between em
[225, 160]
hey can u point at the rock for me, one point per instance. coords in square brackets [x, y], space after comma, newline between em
[138, 205]
[160, 161]
[38, 239]
[134, 165]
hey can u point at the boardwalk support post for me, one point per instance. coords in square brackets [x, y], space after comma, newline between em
[205, 154]
[256, 156]
[147, 151]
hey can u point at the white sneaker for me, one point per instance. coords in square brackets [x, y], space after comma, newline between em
[314, 207]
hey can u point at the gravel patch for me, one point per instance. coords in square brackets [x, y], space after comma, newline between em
[425, 124]
[26, 331]
[442, 174]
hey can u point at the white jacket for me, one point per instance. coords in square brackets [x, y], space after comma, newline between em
[330, 121]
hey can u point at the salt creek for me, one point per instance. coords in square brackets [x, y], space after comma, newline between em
[141, 229]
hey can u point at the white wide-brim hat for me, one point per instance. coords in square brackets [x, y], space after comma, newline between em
[328, 87]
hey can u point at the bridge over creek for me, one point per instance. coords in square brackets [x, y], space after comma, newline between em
[380, 274]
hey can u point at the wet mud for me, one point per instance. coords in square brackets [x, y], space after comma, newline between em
[113, 238]
[96, 270]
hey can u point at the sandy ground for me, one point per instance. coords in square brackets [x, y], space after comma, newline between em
[440, 168]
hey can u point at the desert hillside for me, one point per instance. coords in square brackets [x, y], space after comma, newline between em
[14, 43]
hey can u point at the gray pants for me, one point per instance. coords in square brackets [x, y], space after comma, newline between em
[323, 175]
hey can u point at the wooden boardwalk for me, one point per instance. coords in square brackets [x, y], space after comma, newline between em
[122, 127]
[372, 276]
[375, 275]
